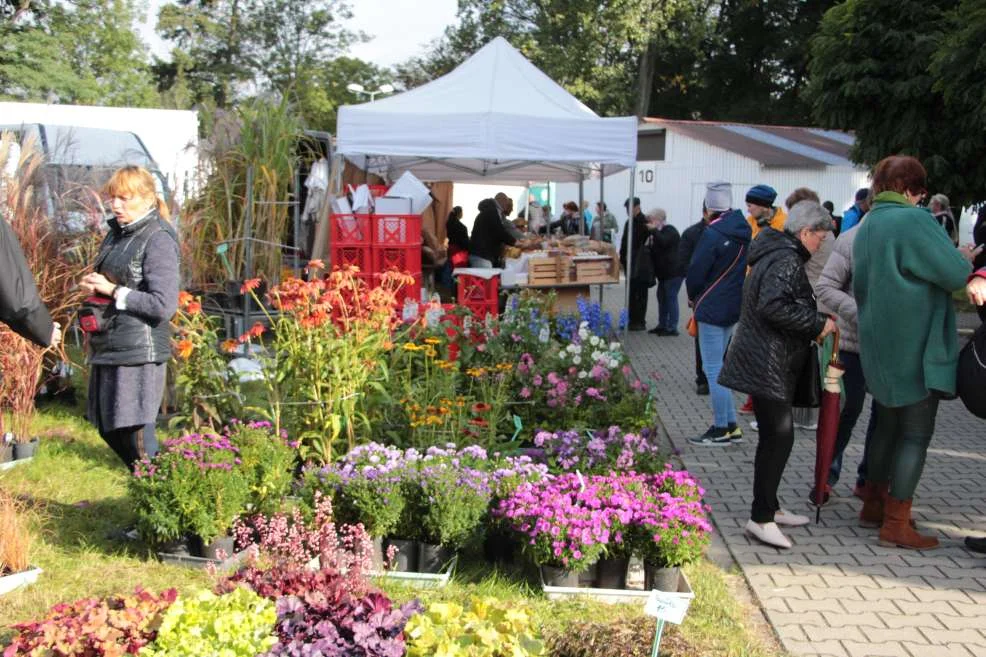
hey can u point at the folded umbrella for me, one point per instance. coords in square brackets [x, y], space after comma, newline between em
[828, 424]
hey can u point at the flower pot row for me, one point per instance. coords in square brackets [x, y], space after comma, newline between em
[415, 556]
[610, 573]
[12, 452]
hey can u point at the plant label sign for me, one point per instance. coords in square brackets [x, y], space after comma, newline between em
[666, 606]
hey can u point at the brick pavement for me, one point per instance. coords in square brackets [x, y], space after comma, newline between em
[837, 592]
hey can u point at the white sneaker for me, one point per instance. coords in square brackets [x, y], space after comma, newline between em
[754, 426]
[807, 427]
[788, 519]
[768, 533]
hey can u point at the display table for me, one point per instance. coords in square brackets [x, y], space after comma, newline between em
[566, 294]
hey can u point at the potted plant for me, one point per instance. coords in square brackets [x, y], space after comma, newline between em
[15, 546]
[193, 488]
[565, 527]
[267, 459]
[671, 528]
[450, 503]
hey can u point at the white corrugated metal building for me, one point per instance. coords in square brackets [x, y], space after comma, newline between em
[677, 158]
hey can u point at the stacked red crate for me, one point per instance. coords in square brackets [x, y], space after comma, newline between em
[478, 294]
[396, 244]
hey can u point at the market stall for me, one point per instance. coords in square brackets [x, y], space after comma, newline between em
[495, 118]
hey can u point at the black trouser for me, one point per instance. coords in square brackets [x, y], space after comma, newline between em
[638, 303]
[855, 385]
[776, 430]
[899, 445]
[132, 443]
[700, 379]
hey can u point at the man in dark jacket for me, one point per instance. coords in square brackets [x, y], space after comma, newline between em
[715, 287]
[642, 276]
[489, 235]
[667, 270]
[20, 306]
[689, 240]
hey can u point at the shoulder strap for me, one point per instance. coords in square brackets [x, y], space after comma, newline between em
[721, 276]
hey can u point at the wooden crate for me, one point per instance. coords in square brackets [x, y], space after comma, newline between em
[544, 271]
[597, 270]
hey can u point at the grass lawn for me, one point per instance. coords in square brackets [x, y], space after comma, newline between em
[76, 492]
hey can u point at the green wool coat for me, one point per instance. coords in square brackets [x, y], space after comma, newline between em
[904, 271]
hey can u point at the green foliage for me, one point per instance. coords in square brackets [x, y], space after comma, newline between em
[923, 60]
[488, 627]
[84, 52]
[193, 486]
[237, 624]
[267, 461]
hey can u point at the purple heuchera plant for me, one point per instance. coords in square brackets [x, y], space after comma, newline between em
[332, 623]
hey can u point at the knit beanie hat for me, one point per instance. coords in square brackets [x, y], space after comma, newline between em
[764, 195]
[718, 196]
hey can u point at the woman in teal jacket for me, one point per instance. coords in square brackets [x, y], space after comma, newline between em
[905, 269]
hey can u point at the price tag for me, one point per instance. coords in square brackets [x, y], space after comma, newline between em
[665, 606]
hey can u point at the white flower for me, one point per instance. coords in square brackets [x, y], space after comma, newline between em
[614, 346]
[583, 374]
[594, 341]
[596, 355]
[613, 364]
[576, 360]
[572, 347]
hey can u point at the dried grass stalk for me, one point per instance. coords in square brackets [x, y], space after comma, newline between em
[15, 537]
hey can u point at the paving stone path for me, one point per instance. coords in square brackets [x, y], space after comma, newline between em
[837, 592]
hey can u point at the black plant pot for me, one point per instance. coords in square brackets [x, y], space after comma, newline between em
[177, 548]
[222, 544]
[500, 547]
[25, 450]
[433, 558]
[406, 559]
[660, 578]
[555, 576]
[611, 573]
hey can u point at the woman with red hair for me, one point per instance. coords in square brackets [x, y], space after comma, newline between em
[905, 269]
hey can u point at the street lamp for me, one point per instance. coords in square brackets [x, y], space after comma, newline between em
[359, 89]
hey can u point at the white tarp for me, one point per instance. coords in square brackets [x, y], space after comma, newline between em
[496, 117]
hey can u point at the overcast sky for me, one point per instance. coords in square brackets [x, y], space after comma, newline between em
[399, 29]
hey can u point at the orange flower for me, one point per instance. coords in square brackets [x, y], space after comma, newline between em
[479, 422]
[480, 407]
[316, 264]
[184, 298]
[256, 330]
[229, 346]
[185, 349]
[194, 308]
[250, 284]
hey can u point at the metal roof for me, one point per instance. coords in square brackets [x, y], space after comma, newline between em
[781, 147]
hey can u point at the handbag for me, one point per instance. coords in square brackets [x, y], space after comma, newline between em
[692, 325]
[95, 313]
[808, 388]
[643, 266]
[970, 382]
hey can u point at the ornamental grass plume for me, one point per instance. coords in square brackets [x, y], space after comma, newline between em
[15, 536]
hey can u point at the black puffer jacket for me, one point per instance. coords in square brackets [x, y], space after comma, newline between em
[777, 322]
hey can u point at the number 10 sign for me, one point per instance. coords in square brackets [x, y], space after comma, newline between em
[646, 180]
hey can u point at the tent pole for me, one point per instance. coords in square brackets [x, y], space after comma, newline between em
[628, 232]
[581, 196]
[602, 174]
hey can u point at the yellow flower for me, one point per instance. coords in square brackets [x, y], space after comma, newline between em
[410, 346]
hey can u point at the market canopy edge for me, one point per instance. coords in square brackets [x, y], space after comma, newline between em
[496, 116]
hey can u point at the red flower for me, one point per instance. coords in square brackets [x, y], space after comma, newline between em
[479, 422]
[194, 308]
[249, 285]
[480, 407]
[256, 330]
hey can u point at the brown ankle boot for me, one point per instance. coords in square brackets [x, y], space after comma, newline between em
[874, 497]
[898, 530]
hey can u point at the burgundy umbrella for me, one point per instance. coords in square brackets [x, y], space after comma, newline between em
[828, 424]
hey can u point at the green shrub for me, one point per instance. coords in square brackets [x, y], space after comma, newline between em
[488, 627]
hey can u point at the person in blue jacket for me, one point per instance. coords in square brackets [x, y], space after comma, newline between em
[715, 291]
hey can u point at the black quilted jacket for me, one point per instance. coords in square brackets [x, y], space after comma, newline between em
[778, 320]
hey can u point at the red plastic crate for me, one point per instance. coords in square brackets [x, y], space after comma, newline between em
[349, 229]
[402, 258]
[352, 255]
[396, 229]
[377, 191]
[480, 309]
[475, 289]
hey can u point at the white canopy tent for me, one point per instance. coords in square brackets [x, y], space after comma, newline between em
[496, 118]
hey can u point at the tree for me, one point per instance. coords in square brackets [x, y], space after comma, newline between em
[85, 52]
[318, 95]
[870, 73]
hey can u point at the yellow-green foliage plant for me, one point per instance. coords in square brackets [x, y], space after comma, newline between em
[487, 628]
